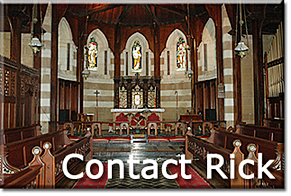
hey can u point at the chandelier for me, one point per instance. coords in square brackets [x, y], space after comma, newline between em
[241, 48]
[188, 73]
[85, 73]
[34, 44]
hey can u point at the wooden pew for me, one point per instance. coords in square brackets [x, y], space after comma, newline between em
[199, 148]
[277, 123]
[222, 142]
[19, 133]
[268, 133]
[56, 147]
[53, 160]
[266, 182]
[29, 177]
[270, 149]
[18, 154]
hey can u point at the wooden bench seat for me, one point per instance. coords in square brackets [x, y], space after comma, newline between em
[268, 133]
[18, 133]
[56, 147]
[29, 177]
[223, 143]
[198, 148]
[268, 148]
[53, 161]
[18, 154]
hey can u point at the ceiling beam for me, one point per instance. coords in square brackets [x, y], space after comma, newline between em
[124, 13]
[148, 10]
[172, 9]
[101, 8]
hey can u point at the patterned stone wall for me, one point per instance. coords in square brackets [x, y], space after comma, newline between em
[174, 84]
[45, 82]
[247, 85]
[26, 52]
[228, 68]
[5, 46]
[45, 73]
[100, 81]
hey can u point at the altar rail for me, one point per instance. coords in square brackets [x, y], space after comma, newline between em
[79, 127]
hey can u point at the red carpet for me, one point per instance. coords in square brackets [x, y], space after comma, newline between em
[87, 183]
[196, 182]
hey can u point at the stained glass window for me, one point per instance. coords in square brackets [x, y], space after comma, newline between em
[136, 57]
[181, 54]
[92, 54]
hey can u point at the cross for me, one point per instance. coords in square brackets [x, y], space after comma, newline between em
[97, 93]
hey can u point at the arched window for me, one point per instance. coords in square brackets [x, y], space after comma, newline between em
[207, 53]
[181, 54]
[92, 54]
[136, 57]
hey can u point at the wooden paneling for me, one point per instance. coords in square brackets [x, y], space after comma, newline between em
[205, 96]
[19, 95]
[68, 97]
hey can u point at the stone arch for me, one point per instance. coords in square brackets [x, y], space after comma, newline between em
[171, 45]
[66, 51]
[100, 38]
[103, 49]
[137, 36]
[207, 52]
[65, 30]
[174, 36]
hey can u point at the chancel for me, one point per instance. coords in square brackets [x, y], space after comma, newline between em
[139, 82]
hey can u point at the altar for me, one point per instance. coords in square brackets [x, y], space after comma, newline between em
[137, 118]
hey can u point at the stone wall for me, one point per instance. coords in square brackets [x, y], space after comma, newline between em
[228, 69]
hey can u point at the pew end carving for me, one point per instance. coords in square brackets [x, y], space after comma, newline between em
[31, 177]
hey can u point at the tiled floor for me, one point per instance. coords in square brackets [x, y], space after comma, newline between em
[128, 183]
[140, 151]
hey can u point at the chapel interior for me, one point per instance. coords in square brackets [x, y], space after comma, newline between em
[152, 81]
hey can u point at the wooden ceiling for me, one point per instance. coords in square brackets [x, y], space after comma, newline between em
[137, 14]
[150, 14]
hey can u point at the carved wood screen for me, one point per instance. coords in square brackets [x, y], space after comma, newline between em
[19, 99]
[137, 92]
[122, 96]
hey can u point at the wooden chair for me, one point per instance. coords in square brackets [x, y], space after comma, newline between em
[122, 125]
[178, 125]
[155, 126]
